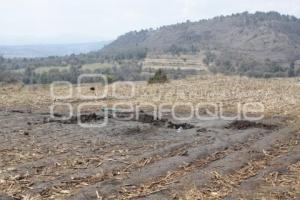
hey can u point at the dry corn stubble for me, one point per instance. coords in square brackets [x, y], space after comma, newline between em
[280, 97]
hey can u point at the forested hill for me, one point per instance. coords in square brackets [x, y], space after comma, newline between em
[260, 42]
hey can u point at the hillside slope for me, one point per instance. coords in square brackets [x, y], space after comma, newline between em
[260, 42]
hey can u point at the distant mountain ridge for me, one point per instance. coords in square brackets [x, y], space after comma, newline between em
[44, 50]
[260, 44]
[236, 43]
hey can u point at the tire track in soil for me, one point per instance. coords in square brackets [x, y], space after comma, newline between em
[222, 184]
[118, 172]
[91, 179]
[279, 166]
[187, 168]
[174, 177]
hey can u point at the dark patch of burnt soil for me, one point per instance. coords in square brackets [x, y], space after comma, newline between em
[184, 126]
[83, 118]
[142, 117]
[243, 125]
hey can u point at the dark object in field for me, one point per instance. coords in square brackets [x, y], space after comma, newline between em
[202, 130]
[57, 115]
[177, 126]
[92, 88]
[150, 119]
[243, 125]
[84, 118]
[17, 111]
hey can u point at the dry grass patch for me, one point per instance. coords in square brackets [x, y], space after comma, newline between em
[279, 96]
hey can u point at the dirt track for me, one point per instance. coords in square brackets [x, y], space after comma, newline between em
[141, 160]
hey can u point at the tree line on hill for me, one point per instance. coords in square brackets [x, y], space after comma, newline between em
[129, 70]
[11, 68]
[268, 69]
[132, 71]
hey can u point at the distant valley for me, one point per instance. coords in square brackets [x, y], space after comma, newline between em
[34, 51]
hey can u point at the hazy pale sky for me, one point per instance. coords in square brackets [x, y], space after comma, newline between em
[67, 21]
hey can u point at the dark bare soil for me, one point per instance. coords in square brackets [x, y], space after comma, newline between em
[243, 125]
[137, 159]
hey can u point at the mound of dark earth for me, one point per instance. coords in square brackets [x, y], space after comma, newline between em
[243, 125]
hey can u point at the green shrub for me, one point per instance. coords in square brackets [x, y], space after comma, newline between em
[159, 77]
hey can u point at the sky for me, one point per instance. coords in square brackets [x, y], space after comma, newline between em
[78, 21]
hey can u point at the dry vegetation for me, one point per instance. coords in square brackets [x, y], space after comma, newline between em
[281, 97]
